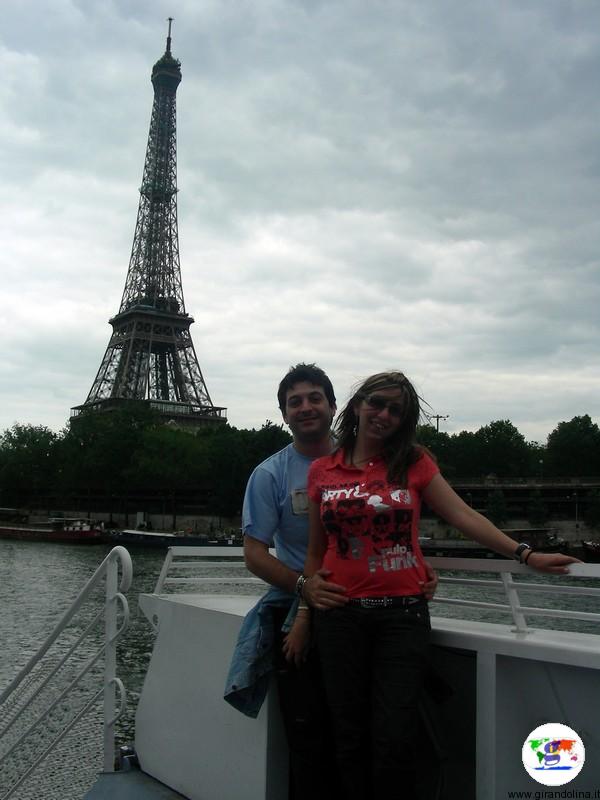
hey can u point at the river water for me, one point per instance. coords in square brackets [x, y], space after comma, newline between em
[39, 581]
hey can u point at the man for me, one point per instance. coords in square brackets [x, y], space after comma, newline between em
[276, 512]
[276, 504]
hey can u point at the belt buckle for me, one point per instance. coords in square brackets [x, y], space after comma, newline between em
[375, 602]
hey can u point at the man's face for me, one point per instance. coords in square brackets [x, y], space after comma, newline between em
[307, 412]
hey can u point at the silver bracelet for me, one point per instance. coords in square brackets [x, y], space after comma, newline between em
[300, 584]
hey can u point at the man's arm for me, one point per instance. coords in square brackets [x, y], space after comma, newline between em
[261, 515]
[262, 564]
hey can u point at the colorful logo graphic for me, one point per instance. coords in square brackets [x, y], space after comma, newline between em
[553, 754]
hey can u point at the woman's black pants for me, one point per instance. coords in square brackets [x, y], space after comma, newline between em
[373, 662]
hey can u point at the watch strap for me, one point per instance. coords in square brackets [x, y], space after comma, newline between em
[517, 555]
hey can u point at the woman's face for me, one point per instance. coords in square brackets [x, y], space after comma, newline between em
[380, 414]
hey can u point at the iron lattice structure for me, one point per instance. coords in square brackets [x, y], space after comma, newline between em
[150, 355]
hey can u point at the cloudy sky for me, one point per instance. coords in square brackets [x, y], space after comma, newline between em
[367, 184]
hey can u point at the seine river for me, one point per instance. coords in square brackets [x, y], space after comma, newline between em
[38, 583]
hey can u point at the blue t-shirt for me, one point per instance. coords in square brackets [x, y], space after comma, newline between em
[276, 505]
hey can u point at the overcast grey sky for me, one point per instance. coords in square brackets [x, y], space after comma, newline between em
[367, 184]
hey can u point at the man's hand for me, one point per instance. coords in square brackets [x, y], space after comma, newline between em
[322, 594]
[429, 586]
[295, 644]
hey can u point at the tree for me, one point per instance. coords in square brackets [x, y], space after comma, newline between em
[98, 448]
[167, 462]
[537, 459]
[464, 454]
[503, 450]
[573, 448]
[27, 463]
[438, 443]
[232, 455]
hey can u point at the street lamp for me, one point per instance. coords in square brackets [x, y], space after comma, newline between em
[575, 498]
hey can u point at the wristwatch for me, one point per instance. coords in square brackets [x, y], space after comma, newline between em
[520, 550]
[300, 584]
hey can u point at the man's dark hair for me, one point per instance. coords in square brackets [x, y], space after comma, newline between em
[309, 373]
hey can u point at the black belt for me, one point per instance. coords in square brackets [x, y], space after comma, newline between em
[399, 601]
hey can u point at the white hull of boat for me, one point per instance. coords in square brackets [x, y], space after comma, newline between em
[506, 684]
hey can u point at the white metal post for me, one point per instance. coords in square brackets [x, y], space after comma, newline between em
[510, 587]
[110, 663]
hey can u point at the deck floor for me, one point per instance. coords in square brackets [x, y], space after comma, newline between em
[130, 785]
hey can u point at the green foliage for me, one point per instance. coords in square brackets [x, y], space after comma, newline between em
[27, 463]
[464, 455]
[438, 443]
[574, 448]
[501, 450]
[167, 460]
[130, 453]
[97, 449]
[231, 455]
[537, 459]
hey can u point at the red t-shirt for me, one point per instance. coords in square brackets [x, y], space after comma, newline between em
[372, 526]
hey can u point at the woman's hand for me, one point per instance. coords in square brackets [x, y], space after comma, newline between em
[430, 585]
[555, 563]
[295, 644]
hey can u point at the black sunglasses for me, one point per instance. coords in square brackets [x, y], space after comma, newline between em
[378, 402]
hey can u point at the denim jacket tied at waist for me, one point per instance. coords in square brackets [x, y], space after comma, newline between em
[252, 660]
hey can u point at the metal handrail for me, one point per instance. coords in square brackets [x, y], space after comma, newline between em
[198, 557]
[115, 605]
[503, 569]
[506, 569]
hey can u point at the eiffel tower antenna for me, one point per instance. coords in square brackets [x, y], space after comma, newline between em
[150, 356]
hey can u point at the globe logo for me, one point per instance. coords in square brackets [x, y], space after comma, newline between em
[553, 754]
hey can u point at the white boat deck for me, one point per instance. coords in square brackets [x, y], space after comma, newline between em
[505, 684]
[507, 679]
[130, 785]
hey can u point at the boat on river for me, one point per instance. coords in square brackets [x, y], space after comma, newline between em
[517, 649]
[73, 530]
[164, 539]
[591, 551]
[448, 548]
[506, 679]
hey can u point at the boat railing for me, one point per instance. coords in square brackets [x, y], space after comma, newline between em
[191, 567]
[62, 705]
[505, 572]
[188, 566]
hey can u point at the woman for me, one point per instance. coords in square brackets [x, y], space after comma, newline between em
[364, 510]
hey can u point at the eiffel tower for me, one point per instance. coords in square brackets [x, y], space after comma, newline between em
[150, 355]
